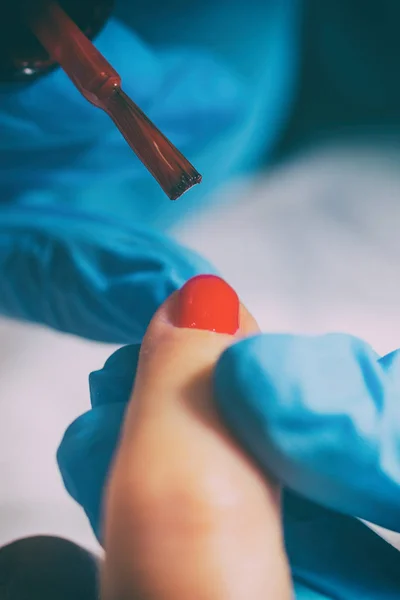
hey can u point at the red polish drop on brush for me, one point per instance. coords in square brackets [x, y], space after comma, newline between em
[100, 84]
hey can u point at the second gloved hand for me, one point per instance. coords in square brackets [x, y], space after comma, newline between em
[95, 278]
[331, 555]
[323, 414]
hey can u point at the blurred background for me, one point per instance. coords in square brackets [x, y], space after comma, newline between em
[311, 246]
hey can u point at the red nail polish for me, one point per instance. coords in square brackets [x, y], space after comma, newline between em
[208, 302]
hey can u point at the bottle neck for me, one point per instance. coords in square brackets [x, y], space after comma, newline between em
[22, 58]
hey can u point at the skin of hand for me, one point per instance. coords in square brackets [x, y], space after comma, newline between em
[187, 514]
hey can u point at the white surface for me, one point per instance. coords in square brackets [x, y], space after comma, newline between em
[312, 248]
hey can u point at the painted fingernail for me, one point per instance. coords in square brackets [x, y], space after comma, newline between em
[208, 302]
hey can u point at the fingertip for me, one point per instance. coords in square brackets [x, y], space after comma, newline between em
[205, 302]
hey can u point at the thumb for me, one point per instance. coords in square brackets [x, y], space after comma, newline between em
[187, 515]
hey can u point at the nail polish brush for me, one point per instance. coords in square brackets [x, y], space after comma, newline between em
[100, 84]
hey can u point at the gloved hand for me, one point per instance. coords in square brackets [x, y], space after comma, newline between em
[322, 413]
[317, 412]
[64, 261]
[72, 193]
[221, 99]
[95, 278]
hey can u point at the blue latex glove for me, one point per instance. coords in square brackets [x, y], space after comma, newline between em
[72, 192]
[322, 413]
[297, 392]
[221, 98]
[95, 278]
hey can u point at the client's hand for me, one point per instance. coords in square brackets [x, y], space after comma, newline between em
[187, 515]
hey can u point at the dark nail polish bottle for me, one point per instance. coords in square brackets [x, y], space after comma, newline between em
[22, 58]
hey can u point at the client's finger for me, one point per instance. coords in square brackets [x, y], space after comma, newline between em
[188, 516]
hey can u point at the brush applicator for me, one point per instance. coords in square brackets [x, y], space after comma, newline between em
[100, 84]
